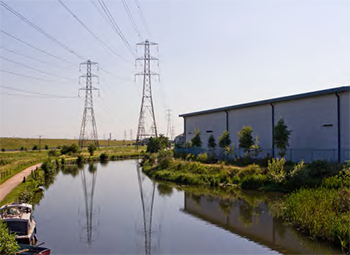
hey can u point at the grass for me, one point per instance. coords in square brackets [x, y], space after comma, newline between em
[18, 143]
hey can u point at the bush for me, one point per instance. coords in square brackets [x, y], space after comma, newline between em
[281, 137]
[211, 142]
[103, 157]
[191, 157]
[249, 170]
[48, 166]
[156, 144]
[80, 159]
[46, 147]
[74, 148]
[164, 159]
[35, 147]
[245, 138]
[8, 241]
[196, 140]
[203, 157]
[276, 171]
[254, 181]
[26, 196]
[3, 149]
[92, 147]
[54, 153]
[224, 139]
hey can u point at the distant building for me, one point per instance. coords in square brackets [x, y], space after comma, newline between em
[179, 140]
[319, 122]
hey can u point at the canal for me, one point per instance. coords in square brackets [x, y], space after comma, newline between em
[113, 208]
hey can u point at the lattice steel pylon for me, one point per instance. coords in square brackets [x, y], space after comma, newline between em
[88, 114]
[147, 101]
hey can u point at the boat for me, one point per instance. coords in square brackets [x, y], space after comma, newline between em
[19, 220]
[27, 249]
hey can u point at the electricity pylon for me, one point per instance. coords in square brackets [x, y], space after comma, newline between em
[88, 115]
[147, 101]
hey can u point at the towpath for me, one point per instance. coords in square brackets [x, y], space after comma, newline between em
[11, 183]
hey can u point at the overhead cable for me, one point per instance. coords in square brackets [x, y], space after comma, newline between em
[36, 93]
[25, 76]
[142, 17]
[40, 30]
[126, 7]
[43, 51]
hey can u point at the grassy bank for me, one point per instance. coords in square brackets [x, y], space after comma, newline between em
[29, 143]
[317, 194]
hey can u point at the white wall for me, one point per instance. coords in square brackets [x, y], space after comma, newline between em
[258, 117]
[306, 117]
[345, 124]
[215, 122]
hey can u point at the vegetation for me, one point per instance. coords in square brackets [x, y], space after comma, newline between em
[156, 144]
[224, 139]
[18, 143]
[8, 242]
[196, 140]
[92, 148]
[73, 148]
[245, 138]
[211, 142]
[281, 137]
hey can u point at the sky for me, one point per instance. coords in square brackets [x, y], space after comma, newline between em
[211, 54]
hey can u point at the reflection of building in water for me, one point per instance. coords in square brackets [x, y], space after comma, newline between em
[147, 191]
[89, 229]
[254, 223]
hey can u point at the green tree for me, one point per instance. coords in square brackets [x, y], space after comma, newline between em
[245, 138]
[211, 142]
[196, 140]
[255, 148]
[46, 147]
[7, 241]
[35, 147]
[281, 137]
[92, 147]
[224, 139]
[157, 144]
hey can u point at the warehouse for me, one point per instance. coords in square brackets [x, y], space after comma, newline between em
[319, 122]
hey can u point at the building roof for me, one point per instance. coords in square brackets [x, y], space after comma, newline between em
[269, 101]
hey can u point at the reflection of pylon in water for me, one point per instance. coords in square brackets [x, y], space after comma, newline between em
[89, 227]
[147, 202]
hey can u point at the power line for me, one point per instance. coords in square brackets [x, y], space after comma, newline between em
[126, 7]
[31, 58]
[91, 32]
[40, 30]
[116, 76]
[142, 17]
[35, 93]
[32, 68]
[33, 96]
[25, 76]
[43, 51]
[116, 27]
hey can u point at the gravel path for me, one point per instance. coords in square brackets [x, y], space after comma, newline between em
[11, 183]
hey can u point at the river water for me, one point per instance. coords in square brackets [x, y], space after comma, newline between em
[114, 208]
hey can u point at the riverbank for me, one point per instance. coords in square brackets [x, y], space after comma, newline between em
[316, 200]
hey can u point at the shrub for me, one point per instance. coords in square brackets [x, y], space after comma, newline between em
[196, 140]
[92, 147]
[156, 144]
[255, 148]
[8, 241]
[26, 196]
[46, 147]
[254, 181]
[191, 157]
[245, 138]
[249, 170]
[35, 147]
[164, 159]
[3, 149]
[297, 170]
[80, 159]
[224, 139]
[281, 137]
[211, 142]
[103, 157]
[48, 166]
[74, 148]
[54, 153]
[203, 157]
[22, 148]
[276, 171]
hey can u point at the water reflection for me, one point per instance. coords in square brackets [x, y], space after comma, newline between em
[147, 191]
[89, 229]
[250, 218]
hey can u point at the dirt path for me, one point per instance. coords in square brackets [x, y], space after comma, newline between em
[11, 183]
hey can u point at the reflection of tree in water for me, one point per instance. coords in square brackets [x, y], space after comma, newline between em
[38, 195]
[72, 170]
[197, 199]
[246, 213]
[225, 206]
[164, 190]
[50, 178]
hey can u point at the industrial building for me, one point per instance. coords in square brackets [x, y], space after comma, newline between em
[319, 122]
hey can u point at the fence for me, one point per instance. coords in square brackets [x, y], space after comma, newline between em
[293, 155]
